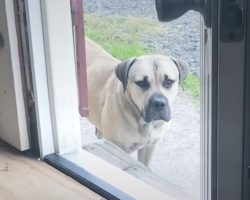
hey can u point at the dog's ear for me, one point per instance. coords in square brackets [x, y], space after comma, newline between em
[183, 69]
[122, 71]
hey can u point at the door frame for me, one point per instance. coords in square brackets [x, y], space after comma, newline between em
[39, 77]
[223, 112]
[246, 165]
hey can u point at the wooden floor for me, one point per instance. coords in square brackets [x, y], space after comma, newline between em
[25, 178]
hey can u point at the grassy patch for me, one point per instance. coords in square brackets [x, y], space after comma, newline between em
[117, 48]
[192, 85]
[121, 37]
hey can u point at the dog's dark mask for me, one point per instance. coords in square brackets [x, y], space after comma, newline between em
[157, 109]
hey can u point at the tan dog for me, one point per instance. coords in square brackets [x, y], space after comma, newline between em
[130, 101]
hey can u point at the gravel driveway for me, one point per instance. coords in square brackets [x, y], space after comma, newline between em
[178, 156]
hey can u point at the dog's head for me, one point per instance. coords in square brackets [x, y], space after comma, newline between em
[152, 83]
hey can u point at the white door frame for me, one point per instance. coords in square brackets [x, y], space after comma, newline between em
[39, 76]
[54, 75]
[61, 72]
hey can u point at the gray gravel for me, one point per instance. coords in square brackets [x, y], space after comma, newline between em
[177, 158]
[180, 39]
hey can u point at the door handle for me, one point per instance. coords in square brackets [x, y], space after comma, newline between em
[232, 20]
[171, 9]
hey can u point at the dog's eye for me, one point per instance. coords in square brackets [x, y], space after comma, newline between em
[144, 84]
[168, 83]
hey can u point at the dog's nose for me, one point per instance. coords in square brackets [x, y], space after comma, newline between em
[158, 102]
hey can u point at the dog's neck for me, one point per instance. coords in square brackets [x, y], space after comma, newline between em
[134, 108]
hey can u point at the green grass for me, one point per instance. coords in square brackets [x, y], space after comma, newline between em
[121, 37]
[117, 48]
[192, 85]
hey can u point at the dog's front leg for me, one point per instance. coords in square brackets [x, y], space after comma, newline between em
[145, 154]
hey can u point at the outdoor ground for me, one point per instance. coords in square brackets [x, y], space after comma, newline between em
[130, 28]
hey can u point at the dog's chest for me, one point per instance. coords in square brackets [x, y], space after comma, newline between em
[144, 135]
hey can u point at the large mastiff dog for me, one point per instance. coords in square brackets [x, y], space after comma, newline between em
[130, 101]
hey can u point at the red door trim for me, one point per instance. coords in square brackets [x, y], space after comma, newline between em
[77, 20]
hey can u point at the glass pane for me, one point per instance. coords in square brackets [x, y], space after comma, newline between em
[129, 29]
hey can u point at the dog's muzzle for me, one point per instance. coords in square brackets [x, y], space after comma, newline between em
[157, 109]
